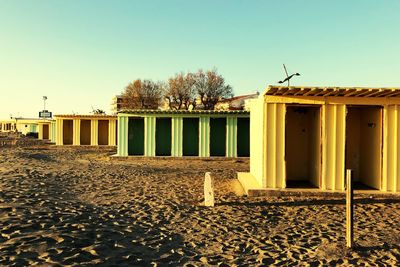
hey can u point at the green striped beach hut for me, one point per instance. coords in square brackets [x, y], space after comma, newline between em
[179, 133]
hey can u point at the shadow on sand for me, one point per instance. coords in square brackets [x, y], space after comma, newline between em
[311, 202]
[49, 225]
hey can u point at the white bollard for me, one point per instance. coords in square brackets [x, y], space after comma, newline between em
[208, 190]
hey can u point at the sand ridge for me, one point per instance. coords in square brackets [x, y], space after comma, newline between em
[61, 206]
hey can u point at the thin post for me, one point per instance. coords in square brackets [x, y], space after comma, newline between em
[349, 210]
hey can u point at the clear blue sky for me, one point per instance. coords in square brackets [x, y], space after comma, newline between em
[80, 53]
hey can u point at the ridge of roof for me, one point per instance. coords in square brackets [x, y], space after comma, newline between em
[84, 116]
[324, 91]
[156, 111]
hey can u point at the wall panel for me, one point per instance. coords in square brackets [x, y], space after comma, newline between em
[177, 138]
[150, 136]
[204, 136]
[333, 146]
[275, 172]
[231, 137]
[391, 149]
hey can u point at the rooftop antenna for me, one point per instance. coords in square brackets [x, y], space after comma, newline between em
[44, 102]
[288, 77]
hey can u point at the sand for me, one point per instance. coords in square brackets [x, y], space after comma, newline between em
[63, 206]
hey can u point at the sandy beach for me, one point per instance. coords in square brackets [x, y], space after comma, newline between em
[70, 207]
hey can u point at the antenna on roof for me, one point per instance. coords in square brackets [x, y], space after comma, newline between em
[44, 102]
[288, 77]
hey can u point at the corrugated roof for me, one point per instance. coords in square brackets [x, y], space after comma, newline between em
[147, 111]
[89, 116]
[331, 91]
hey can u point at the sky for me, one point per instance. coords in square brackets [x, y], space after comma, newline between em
[79, 53]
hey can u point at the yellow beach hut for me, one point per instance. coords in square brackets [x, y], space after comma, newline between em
[7, 126]
[306, 137]
[93, 130]
[47, 130]
[27, 125]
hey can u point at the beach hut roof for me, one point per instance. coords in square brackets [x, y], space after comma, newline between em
[147, 111]
[331, 91]
[88, 116]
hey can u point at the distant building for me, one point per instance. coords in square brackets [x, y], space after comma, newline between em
[116, 104]
[7, 126]
[22, 125]
[236, 102]
[29, 126]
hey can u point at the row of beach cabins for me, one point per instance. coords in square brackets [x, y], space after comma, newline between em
[296, 137]
[152, 132]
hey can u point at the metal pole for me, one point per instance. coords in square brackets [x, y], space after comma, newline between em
[287, 75]
[349, 210]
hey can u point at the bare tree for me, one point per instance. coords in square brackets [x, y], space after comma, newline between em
[152, 92]
[140, 94]
[211, 88]
[131, 97]
[180, 92]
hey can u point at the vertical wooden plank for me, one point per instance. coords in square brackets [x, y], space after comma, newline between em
[204, 136]
[390, 184]
[396, 176]
[111, 132]
[271, 145]
[280, 147]
[59, 137]
[40, 132]
[264, 154]
[324, 148]
[332, 147]
[177, 123]
[76, 132]
[53, 132]
[340, 147]
[231, 133]
[386, 148]
[150, 136]
[349, 210]
[122, 148]
[94, 132]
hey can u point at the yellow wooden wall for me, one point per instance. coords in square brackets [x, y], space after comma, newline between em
[257, 132]
[391, 149]
[275, 172]
[94, 135]
[333, 118]
[267, 148]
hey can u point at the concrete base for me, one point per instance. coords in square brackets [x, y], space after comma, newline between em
[234, 159]
[102, 148]
[249, 183]
[253, 189]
